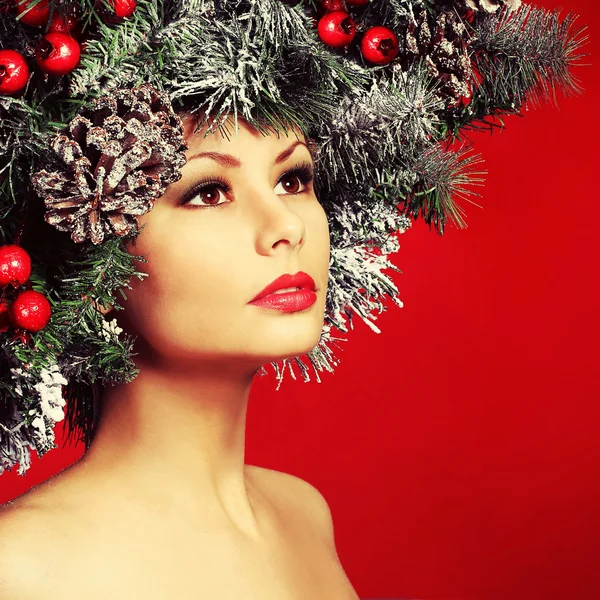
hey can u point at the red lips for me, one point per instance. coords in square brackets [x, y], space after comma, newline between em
[300, 279]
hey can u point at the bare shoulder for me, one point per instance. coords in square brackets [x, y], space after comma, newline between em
[304, 501]
[27, 555]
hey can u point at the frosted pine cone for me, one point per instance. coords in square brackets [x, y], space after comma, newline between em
[119, 156]
[491, 6]
[444, 45]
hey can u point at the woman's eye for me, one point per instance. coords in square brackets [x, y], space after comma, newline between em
[292, 184]
[214, 193]
[207, 195]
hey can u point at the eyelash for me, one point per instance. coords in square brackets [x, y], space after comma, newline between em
[304, 172]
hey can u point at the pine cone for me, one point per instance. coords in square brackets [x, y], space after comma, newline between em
[119, 156]
[445, 50]
[491, 6]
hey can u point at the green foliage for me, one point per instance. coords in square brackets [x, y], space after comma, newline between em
[523, 56]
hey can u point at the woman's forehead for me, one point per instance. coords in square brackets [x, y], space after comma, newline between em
[245, 130]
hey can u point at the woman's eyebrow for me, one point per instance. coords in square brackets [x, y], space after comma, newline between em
[227, 160]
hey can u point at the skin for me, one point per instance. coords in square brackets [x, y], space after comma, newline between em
[174, 438]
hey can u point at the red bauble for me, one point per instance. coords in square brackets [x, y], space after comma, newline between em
[124, 8]
[119, 10]
[30, 310]
[57, 54]
[4, 320]
[357, 2]
[15, 266]
[35, 17]
[379, 45]
[14, 72]
[60, 24]
[332, 5]
[336, 29]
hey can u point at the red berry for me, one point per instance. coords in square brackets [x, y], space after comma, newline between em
[14, 72]
[57, 54]
[119, 9]
[4, 320]
[15, 266]
[35, 17]
[379, 45]
[332, 5]
[30, 310]
[123, 8]
[336, 29]
[357, 2]
[62, 24]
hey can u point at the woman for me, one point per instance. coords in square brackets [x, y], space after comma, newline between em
[162, 503]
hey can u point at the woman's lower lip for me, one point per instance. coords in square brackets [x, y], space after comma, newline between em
[288, 301]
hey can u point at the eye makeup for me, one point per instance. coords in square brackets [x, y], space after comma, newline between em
[304, 171]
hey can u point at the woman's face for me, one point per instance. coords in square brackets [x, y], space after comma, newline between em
[236, 220]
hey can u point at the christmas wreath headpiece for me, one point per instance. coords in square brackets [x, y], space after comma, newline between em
[90, 135]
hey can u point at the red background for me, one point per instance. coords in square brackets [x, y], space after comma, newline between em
[458, 449]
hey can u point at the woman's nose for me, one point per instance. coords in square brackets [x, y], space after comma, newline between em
[276, 223]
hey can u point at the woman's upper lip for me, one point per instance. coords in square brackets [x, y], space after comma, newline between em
[300, 279]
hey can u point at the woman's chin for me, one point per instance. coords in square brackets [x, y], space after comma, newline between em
[274, 350]
[259, 350]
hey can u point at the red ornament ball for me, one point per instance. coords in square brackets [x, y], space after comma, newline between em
[123, 8]
[119, 10]
[4, 320]
[62, 24]
[14, 72]
[57, 54]
[379, 45]
[332, 5]
[357, 2]
[35, 17]
[15, 266]
[336, 29]
[30, 310]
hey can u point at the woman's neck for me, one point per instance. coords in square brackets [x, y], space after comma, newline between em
[176, 438]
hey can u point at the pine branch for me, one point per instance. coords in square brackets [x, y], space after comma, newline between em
[384, 125]
[521, 56]
[443, 176]
[268, 67]
[395, 14]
